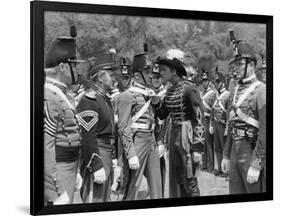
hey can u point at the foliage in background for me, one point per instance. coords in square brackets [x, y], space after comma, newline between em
[98, 33]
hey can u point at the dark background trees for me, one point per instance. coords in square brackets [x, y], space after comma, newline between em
[98, 33]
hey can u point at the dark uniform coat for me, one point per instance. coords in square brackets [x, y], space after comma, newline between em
[184, 104]
[95, 115]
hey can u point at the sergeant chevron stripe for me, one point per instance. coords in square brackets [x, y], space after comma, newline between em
[50, 126]
[92, 117]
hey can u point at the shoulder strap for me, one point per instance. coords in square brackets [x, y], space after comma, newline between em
[138, 90]
[245, 94]
[60, 93]
[141, 111]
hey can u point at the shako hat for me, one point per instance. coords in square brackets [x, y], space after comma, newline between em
[140, 62]
[125, 66]
[104, 61]
[243, 49]
[62, 49]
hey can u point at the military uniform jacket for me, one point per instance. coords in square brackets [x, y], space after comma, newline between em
[208, 99]
[95, 115]
[128, 105]
[61, 135]
[219, 109]
[254, 106]
[183, 102]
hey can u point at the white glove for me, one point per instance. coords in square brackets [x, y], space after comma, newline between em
[211, 129]
[225, 165]
[99, 176]
[253, 175]
[79, 182]
[134, 163]
[62, 199]
[161, 150]
[114, 163]
[197, 157]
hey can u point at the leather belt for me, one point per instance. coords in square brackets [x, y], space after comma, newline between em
[143, 126]
[239, 132]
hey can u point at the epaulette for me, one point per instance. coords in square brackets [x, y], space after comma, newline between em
[91, 95]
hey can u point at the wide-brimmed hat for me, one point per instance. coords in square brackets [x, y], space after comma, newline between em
[62, 49]
[173, 63]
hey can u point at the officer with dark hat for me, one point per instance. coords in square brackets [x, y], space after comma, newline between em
[244, 152]
[136, 123]
[126, 72]
[183, 103]
[96, 117]
[61, 130]
[218, 120]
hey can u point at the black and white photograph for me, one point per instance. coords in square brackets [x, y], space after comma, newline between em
[147, 107]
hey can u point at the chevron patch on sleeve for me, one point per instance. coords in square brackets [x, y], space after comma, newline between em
[87, 119]
[50, 126]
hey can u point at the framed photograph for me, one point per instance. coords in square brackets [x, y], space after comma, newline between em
[146, 108]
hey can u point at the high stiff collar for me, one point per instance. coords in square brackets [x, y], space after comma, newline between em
[101, 91]
[161, 87]
[57, 83]
[222, 90]
[135, 84]
[248, 80]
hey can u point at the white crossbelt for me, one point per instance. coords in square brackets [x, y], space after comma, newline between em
[147, 104]
[143, 126]
[59, 92]
[219, 101]
[238, 111]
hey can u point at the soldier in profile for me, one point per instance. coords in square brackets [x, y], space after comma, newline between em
[61, 129]
[245, 150]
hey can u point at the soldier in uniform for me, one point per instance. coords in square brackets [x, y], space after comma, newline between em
[61, 130]
[218, 120]
[136, 122]
[183, 103]
[96, 117]
[244, 152]
[160, 90]
[208, 99]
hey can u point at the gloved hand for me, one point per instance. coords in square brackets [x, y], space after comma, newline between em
[62, 199]
[211, 129]
[197, 157]
[161, 150]
[99, 176]
[225, 165]
[134, 163]
[79, 182]
[253, 175]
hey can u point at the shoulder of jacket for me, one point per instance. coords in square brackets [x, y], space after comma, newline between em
[91, 94]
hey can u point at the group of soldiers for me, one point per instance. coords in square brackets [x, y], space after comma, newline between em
[157, 111]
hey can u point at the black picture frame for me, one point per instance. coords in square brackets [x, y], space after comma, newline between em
[37, 92]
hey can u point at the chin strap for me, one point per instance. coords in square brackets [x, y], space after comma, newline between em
[72, 74]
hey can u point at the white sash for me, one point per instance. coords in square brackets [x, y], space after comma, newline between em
[204, 97]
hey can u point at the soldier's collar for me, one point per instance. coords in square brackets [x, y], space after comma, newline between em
[222, 90]
[56, 82]
[138, 85]
[249, 79]
[101, 91]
